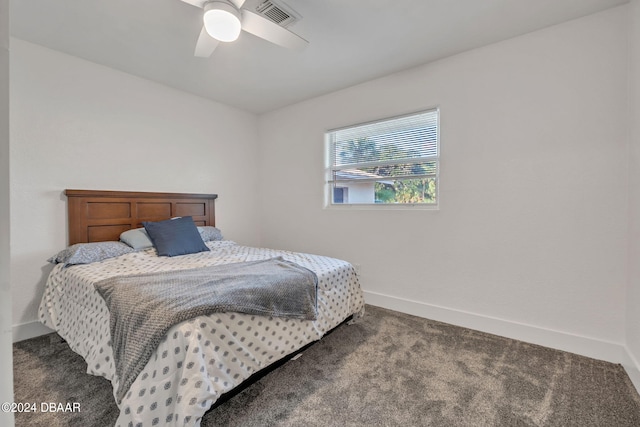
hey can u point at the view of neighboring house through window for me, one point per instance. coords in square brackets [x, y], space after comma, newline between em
[392, 161]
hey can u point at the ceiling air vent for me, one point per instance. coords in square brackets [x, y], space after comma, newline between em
[277, 13]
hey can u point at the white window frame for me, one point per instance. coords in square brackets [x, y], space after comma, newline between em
[330, 168]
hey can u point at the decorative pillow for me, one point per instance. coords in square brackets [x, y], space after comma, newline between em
[210, 233]
[86, 253]
[137, 238]
[174, 237]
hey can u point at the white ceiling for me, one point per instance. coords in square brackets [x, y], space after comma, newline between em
[351, 41]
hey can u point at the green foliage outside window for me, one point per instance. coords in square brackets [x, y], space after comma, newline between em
[387, 189]
[407, 191]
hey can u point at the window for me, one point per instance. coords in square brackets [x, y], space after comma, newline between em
[389, 162]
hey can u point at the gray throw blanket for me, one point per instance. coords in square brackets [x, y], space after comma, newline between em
[144, 307]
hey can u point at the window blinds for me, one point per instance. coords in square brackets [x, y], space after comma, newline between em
[399, 148]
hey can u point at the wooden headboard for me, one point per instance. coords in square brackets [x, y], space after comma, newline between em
[98, 216]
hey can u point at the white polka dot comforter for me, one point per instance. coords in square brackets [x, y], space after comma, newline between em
[204, 357]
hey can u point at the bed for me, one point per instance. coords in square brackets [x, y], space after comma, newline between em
[200, 359]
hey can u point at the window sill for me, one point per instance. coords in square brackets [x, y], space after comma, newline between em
[383, 207]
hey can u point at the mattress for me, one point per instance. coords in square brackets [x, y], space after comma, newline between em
[202, 358]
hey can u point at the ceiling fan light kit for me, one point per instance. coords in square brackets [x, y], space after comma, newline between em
[225, 19]
[222, 21]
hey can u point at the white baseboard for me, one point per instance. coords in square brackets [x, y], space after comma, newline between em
[585, 346]
[633, 370]
[634, 375]
[28, 330]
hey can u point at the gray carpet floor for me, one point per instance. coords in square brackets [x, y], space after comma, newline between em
[388, 369]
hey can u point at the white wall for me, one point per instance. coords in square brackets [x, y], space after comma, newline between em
[361, 192]
[6, 367]
[76, 124]
[531, 236]
[633, 300]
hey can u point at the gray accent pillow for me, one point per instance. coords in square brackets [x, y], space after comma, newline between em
[209, 233]
[137, 238]
[86, 253]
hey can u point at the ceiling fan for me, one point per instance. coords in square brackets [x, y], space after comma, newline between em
[224, 19]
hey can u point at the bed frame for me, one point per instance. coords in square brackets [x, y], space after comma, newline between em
[98, 216]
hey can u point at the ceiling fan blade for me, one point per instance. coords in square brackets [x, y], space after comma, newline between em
[270, 31]
[196, 3]
[237, 3]
[200, 3]
[205, 45]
